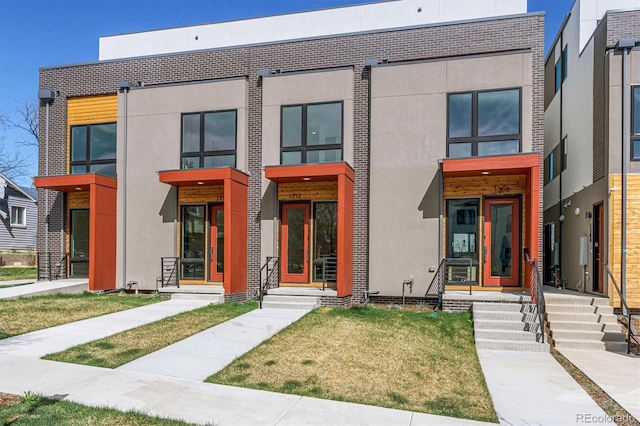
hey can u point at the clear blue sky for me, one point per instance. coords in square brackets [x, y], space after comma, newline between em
[38, 33]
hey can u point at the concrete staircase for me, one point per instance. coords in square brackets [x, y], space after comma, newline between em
[275, 301]
[507, 326]
[583, 322]
[214, 294]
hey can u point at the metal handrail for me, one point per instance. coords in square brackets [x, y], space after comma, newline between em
[43, 263]
[169, 267]
[437, 285]
[329, 269]
[272, 276]
[62, 268]
[537, 292]
[630, 330]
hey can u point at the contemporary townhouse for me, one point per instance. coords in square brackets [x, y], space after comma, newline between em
[346, 150]
[592, 148]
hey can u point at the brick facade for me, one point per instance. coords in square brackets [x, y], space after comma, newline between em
[524, 32]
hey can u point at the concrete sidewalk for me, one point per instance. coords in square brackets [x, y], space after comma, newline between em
[41, 288]
[533, 388]
[616, 374]
[42, 342]
[199, 356]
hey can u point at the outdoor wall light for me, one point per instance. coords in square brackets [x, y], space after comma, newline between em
[587, 215]
[577, 211]
[561, 218]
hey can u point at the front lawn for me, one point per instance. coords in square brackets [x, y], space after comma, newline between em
[19, 316]
[406, 360]
[34, 410]
[8, 273]
[121, 348]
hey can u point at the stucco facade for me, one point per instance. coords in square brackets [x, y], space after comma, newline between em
[392, 135]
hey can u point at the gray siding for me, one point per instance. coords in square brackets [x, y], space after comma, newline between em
[18, 238]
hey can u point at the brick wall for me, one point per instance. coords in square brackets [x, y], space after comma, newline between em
[486, 36]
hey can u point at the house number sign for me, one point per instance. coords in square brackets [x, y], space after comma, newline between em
[503, 189]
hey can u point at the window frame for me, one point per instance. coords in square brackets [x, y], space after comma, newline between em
[474, 139]
[304, 147]
[201, 153]
[88, 162]
[634, 137]
[564, 153]
[22, 223]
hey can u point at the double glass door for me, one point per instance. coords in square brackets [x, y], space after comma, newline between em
[309, 236]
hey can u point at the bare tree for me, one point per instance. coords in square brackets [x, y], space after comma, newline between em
[28, 122]
[13, 164]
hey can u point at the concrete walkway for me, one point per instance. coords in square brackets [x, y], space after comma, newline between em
[208, 352]
[616, 374]
[533, 388]
[41, 288]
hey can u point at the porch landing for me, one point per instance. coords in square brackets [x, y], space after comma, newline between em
[461, 300]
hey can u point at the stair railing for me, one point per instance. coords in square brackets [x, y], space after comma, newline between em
[436, 287]
[169, 267]
[271, 272]
[44, 266]
[537, 293]
[626, 313]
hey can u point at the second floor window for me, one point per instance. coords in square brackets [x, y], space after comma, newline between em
[484, 123]
[209, 139]
[311, 133]
[93, 149]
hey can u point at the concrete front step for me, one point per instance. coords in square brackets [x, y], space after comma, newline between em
[578, 344]
[498, 316]
[586, 326]
[577, 335]
[574, 300]
[502, 307]
[580, 309]
[213, 298]
[511, 335]
[616, 346]
[480, 324]
[510, 345]
[605, 318]
[290, 302]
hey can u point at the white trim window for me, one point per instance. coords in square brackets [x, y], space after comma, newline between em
[18, 217]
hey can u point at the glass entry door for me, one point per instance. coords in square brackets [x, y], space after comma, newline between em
[79, 243]
[295, 243]
[501, 253]
[216, 244]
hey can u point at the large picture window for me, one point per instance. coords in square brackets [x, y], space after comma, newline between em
[635, 124]
[484, 123]
[311, 133]
[209, 139]
[93, 149]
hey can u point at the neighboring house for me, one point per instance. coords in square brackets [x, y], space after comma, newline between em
[378, 139]
[594, 59]
[18, 213]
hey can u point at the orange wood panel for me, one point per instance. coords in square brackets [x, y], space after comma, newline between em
[344, 281]
[313, 191]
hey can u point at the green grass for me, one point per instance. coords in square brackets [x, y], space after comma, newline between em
[19, 316]
[121, 348]
[9, 273]
[35, 410]
[399, 359]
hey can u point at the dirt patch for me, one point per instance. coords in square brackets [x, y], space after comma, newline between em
[611, 407]
[8, 399]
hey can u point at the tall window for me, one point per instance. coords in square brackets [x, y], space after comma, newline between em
[561, 70]
[311, 133]
[564, 153]
[192, 251]
[635, 124]
[209, 139]
[483, 123]
[93, 149]
[18, 216]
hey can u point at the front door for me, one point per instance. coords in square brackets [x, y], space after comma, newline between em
[501, 252]
[216, 243]
[597, 247]
[79, 243]
[295, 243]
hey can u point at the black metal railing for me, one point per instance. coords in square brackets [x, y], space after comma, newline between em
[626, 313]
[269, 277]
[170, 267]
[436, 287]
[43, 263]
[48, 271]
[537, 293]
[326, 270]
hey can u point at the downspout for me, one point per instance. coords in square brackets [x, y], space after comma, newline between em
[560, 213]
[124, 86]
[46, 173]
